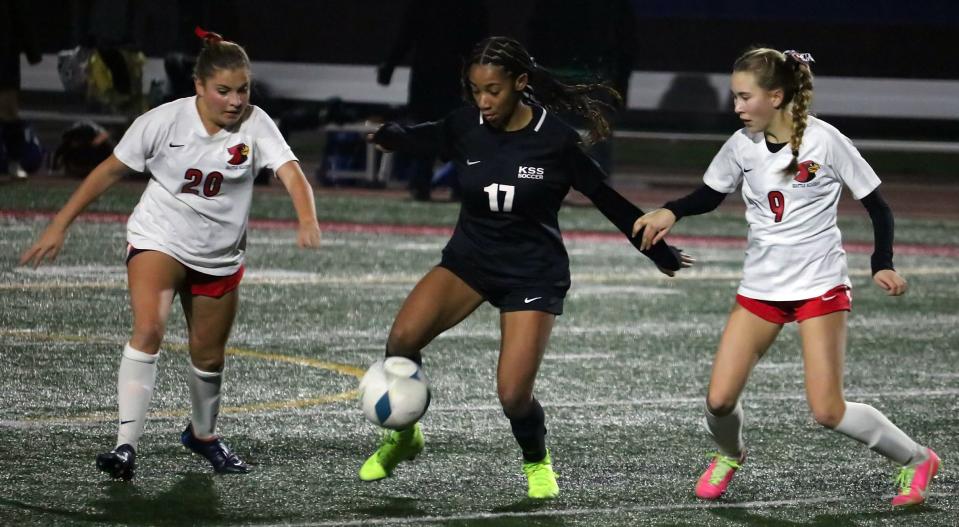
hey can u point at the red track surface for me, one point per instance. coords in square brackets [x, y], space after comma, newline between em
[382, 228]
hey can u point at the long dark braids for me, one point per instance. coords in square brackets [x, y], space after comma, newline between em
[587, 100]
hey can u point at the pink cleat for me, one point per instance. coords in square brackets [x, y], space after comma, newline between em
[914, 481]
[713, 483]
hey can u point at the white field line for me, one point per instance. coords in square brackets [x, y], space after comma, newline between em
[481, 408]
[116, 278]
[479, 516]
[578, 356]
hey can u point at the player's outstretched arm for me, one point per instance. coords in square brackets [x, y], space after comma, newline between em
[308, 232]
[656, 224]
[421, 139]
[589, 179]
[96, 183]
[623, 215]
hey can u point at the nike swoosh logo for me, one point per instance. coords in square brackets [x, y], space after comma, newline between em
[828, 298]
[747, 170]
[175, 146]
[471, 163]
[528, 300]
[127, 421]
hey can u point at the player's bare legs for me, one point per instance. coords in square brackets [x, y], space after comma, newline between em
[438, 302]
[209, 321]
[745, 340]
[824, 345]
[524, 336]
[154, 278]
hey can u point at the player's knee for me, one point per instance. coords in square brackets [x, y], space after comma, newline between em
[515, 401]
[210, 363]
[720, 405]
[828, 415]
[147, 336]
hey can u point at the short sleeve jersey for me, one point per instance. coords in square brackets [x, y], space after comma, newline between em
[196, 205]
[794, 249]
[513, 185]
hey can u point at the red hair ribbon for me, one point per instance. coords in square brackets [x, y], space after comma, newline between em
[207, 35]
[802, 58]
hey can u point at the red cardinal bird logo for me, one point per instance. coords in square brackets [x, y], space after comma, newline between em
[240, 154]
[806, 171]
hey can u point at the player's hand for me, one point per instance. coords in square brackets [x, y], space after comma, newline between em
[685, 262]
[371, 135]
[890, 281]
[308, 235]
[46, 248]
[655, 225]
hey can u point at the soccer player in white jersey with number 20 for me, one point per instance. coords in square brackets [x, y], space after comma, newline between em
[795, 267]
[187, 237]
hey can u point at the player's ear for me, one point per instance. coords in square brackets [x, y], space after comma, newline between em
[776, 97]
[198, 86]
[521, 81]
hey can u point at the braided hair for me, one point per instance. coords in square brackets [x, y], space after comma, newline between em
[790, 72]
[586, 100]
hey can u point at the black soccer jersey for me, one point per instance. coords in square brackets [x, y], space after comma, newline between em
[513, 184]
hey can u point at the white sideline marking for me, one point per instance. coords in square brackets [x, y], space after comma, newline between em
[116, 278]
[697, 401]
[578, 356]
[413, 520]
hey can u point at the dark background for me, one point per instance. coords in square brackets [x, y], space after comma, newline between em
[877, 39]
[880, 38]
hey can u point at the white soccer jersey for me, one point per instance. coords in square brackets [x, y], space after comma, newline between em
[794, 249]
[196, 205]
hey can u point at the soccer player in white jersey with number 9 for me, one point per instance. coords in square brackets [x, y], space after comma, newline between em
[187, 237]
[792, 167]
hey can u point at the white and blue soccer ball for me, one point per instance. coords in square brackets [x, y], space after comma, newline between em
[394, 393]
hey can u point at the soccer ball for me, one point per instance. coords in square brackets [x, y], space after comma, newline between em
[394, 393]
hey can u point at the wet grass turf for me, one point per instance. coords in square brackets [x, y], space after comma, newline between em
[622, 385]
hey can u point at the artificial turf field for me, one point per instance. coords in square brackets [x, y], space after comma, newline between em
[622, 383]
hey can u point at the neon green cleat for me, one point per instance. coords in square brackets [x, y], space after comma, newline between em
[396, 447]
[542, 479]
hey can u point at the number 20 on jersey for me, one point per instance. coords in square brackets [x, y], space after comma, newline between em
[210, 184]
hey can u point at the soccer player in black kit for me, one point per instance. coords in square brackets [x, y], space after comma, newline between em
[517, 162]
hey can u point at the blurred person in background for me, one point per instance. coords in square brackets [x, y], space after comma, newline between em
[17, 35]
[588, 40]
[438, 35]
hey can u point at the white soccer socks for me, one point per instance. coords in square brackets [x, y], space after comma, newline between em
[871, 428]
[205, 394]
[135, 381]
[727, 431]
[860, 422]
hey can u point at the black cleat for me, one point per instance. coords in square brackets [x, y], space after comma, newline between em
[215, 451]
[119, 462]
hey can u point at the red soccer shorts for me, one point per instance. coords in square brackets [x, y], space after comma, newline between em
[202, 284]
[838, 298]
